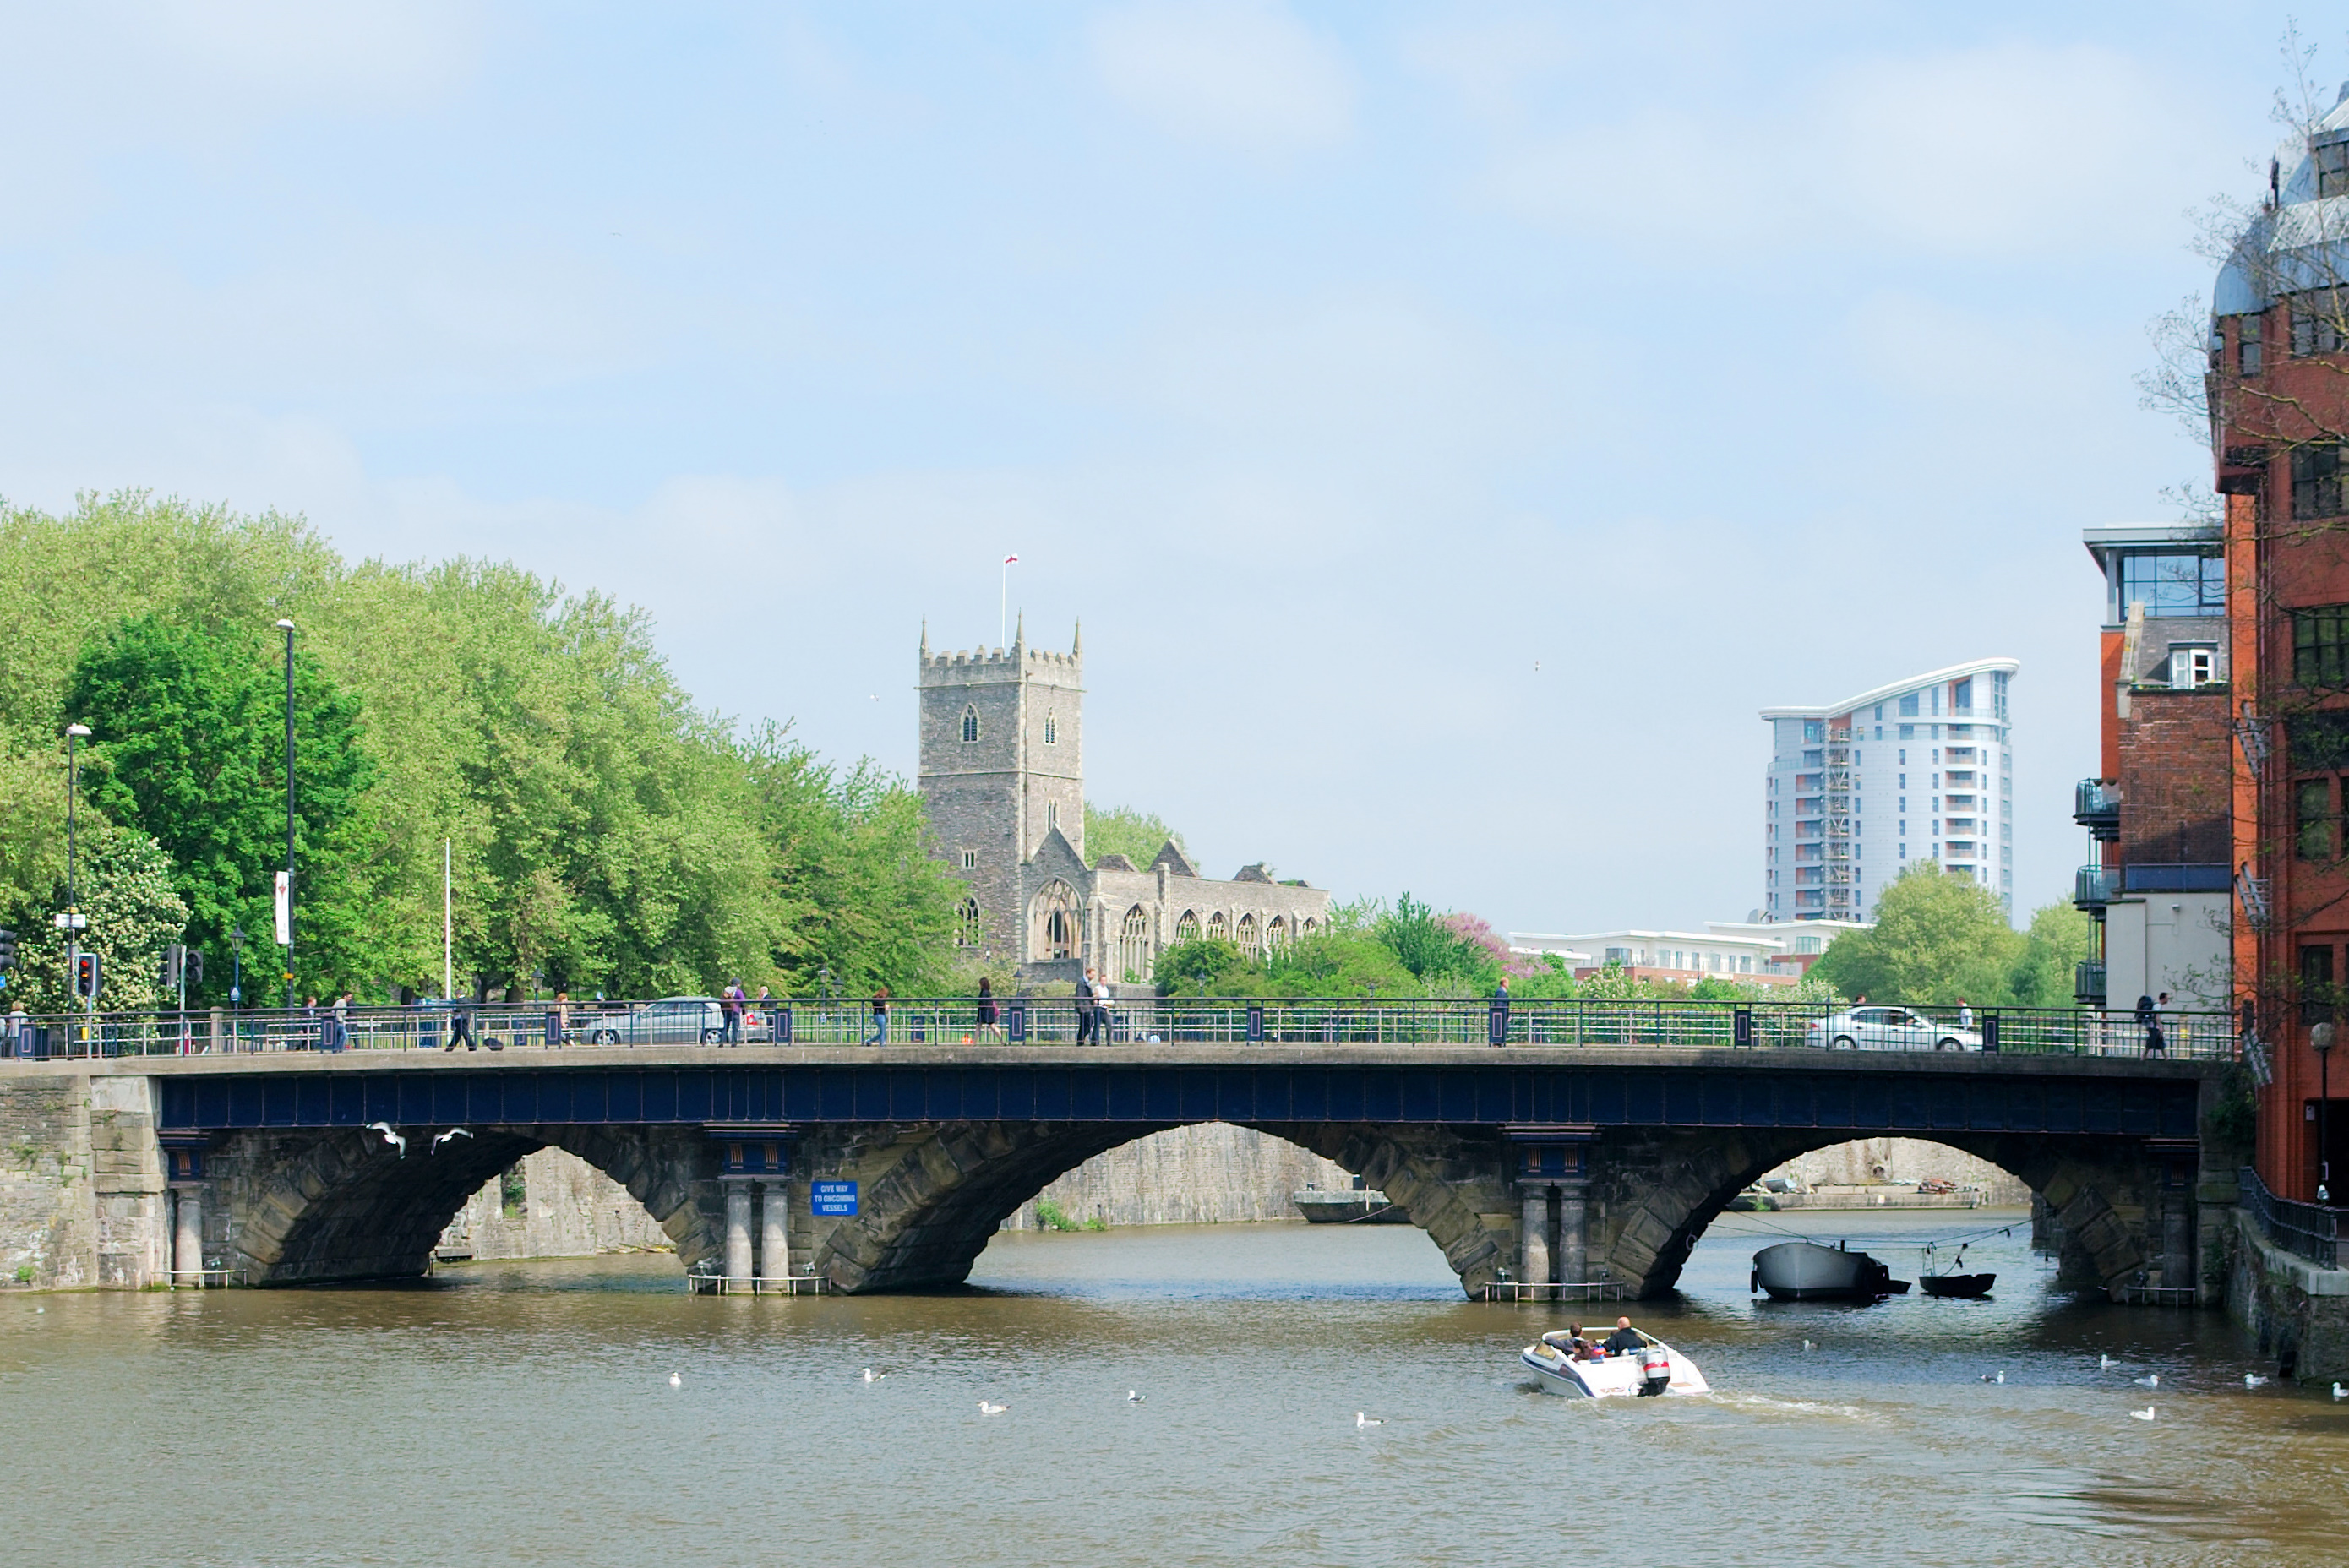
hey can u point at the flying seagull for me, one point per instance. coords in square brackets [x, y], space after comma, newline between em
[452, 1132]
[389, 1137]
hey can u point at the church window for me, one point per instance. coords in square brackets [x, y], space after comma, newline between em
[1134, 946]
[967, 924]
[1188, 928]
[1248, 935]
[969, 725]
[1052, 729]
[1276, 935]
[1307, 924]
[1052, 815]
[970, 860]
[1218, 929]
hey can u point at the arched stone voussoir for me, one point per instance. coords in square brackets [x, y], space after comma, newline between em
[1454, 1182]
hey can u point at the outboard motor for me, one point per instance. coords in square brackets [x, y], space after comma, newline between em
[1655, 1370]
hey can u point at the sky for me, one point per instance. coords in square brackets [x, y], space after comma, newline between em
[1451, 424]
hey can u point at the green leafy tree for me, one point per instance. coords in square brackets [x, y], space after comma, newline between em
[126, 887]
[1937, 938]
[1442, 956]
[1208, 967]
[2057, 939]
[1123, 831]
[189, 746]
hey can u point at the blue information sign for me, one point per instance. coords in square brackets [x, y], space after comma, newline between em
[836, 1198]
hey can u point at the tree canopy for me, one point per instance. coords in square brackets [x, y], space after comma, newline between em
[1123, 831]
[603, 833]
[1939, 938]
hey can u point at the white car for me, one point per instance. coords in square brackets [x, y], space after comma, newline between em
[1888, 1029]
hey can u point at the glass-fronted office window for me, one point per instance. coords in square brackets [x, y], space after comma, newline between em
[2173, 585]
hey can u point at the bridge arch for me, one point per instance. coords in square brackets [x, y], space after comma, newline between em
[1661, 1191]
[345, 1204]
[935, 1198]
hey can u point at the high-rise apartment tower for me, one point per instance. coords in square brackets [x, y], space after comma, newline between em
[1920, 769]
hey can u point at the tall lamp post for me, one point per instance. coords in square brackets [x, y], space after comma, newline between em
[2321, 1040]
[287, 627]
[73, 920]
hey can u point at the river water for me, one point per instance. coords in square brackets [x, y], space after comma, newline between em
[521, 1413]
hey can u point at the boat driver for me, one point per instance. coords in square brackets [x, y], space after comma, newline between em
[1626, 1340]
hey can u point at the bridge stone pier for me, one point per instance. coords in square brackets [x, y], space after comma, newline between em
[1525, 1165]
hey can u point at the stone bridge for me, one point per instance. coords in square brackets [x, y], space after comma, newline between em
[891, 1167]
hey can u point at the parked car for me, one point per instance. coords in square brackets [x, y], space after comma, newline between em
[1888, 1029]
[671, 1021]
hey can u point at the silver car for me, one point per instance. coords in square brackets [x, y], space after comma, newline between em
[671, 1021]
[1888, 1029]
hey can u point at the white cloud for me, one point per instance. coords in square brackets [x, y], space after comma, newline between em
[1247, 76]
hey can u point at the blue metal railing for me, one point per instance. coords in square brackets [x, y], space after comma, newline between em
[1057, 1021]
[2308, 1230]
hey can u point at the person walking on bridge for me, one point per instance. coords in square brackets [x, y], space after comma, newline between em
[879, 1034]
[1088, 1007]
[461, 1023]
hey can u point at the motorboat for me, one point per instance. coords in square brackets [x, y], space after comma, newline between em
[1551, 1360]
[1805, 1271]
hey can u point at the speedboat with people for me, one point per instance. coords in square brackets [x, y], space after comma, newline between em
[1805, 1271]
[1563, 1362]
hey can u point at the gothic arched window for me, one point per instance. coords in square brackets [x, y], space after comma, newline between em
[1216, 928]
[969, 724]
[1247, 939]
[967, 924]
[1277, 933]
[1188, 928]
[1052, 729]
[1134, 946]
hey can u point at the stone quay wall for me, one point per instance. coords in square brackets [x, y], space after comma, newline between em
[1213, 1174]
[82, 1197]
[1904, 1161]
[569, 1209]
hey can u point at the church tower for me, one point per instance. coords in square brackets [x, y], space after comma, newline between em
[1001, 769]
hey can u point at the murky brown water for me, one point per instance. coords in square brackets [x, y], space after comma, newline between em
[521, 1413]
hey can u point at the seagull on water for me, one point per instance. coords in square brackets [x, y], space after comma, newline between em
[2144, 1415]
[1362, 1420]
[452, 1132]
[2150, 1380]
[676, 1381]
[872, 1377]
[2339, 1392]
[987, 1409]
[2253, 1380]
[389, 1137]
[1131, 1397]
[2105, 1362]
[1808, 1345]
[1993, 1376]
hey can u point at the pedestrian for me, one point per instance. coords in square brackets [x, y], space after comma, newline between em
[764, 1009]
[732, 1035]
[879, 1034]
[562, 1019]
[1087, 988]
[988, 1027]
[1500, 1019]
[2149, 1020]
[339, 1024]
[1965, 1015]
[2158, 1038]
[461, 1023]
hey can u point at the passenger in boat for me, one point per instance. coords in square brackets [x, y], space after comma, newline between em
[1626, 1340]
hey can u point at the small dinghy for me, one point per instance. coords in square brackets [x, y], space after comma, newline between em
[1657, 1370]
[1956, 1284]
[1805, 1271]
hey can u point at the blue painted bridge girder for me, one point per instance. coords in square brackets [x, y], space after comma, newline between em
[1856, 1102]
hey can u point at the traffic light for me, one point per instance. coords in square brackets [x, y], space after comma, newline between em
[195, 962]
[7, 950]
[174, 958]
[86, 974]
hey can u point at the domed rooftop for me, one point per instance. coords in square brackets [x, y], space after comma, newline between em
[2303, 241]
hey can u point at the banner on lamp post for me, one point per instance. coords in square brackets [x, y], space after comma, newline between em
[284, 908]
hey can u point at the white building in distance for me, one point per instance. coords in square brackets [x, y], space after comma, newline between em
[1920, 769]
[1725, 949]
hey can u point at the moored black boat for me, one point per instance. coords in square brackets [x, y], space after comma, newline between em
[1956, 1284]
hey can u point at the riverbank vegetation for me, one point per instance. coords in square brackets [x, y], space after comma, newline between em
[603, 833]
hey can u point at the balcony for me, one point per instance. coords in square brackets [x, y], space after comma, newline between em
[2096, 886]
[2088, 984]
[2096, 806]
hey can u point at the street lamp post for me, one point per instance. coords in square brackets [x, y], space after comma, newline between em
[75, 733]
[2321, 1037]
[287, 627]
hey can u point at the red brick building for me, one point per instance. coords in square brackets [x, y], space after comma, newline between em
[2278, 385]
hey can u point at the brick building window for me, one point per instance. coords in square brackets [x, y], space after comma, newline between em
[2313, 818]
[2192, 665]
[2316, 483]
[2317, 996]
[2315, 324]
[969, 725]
[2248, 348]
[2320, 645]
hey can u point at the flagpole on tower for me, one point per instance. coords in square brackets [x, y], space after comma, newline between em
[1003, 605]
